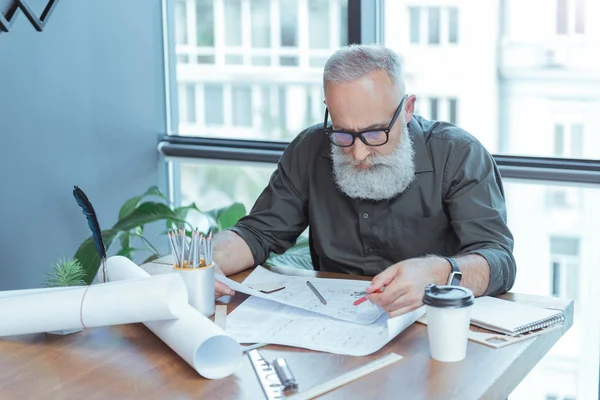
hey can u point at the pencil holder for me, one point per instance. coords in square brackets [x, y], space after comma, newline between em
[200, 283]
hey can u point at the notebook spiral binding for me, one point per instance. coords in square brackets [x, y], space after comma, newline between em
[543, 323]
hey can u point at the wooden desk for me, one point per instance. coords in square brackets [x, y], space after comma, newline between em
[128, 361]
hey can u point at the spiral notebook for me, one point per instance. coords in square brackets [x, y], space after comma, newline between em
[512, 318]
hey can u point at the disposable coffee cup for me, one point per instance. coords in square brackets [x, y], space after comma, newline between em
[200, 283]
[448, 319]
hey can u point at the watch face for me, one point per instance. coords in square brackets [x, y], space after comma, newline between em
[455, 278]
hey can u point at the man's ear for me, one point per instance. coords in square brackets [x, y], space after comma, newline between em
[410, 107]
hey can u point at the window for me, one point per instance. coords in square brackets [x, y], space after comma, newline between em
[568, 140]
[453, 111]
[565, 266]
[203, 16]
[562, 17]
[289, 23]
[441, 109]
[187, 103]
[524, 73]
[256, 66]
[233, 27]
[415, 24]
[180, 23]
[433, 108]
[558, 256]
[260, 18]
[453, 25]
[570, 17]
[433, 25]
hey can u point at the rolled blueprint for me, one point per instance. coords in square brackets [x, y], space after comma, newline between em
[195, 338]
[54, 309]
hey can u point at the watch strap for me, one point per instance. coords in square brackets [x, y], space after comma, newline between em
[455, 274]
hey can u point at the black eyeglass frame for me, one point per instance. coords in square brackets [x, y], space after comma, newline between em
[329, 131]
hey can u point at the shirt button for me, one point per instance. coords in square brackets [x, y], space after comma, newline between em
[365, 215]
[370, 250]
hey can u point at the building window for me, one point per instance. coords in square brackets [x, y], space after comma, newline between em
[181, 37]
[568, 139]
[433, 25]
[187, 103]
[433, 108]
[318, 28]
[561, 17]
[260, 17]
[453, 25]
[415, 24]
[579, 16]
[241, 97]
[565, 261]
[205, 32]
[289, 23]
[233, 27]
[570, 17]
[213, 104]
[452, 111]
[438, 108]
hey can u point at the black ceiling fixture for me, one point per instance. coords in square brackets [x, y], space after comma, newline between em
[8, 18]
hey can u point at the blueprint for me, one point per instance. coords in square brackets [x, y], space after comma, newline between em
[339, 293]
[258, 320]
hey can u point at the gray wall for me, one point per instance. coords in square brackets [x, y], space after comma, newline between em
[81, 103]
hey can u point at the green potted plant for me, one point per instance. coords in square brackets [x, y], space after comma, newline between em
[153, 206]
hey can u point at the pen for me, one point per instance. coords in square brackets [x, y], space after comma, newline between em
[316, 292]
[364, 298]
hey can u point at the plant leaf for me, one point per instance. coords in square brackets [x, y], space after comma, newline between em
[129, 206]
[297, 256]
[88, 255]
[145, 213]
[181, 214]
[150, 258]
[226, 217]
[65, 273]
[301, 261]
[127, 252]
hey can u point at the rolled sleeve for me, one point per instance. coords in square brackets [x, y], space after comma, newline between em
[280, 213]
[477, 210]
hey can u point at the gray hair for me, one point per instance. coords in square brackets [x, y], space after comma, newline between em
[357, 60]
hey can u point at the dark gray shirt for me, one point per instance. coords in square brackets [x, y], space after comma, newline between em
[454, 206]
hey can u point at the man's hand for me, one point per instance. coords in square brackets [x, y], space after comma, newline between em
[220, 288]
[405, 284]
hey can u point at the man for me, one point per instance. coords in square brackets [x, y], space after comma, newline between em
[386, 193]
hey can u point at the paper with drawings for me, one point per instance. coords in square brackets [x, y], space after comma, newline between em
[337, 292]
[258, 320]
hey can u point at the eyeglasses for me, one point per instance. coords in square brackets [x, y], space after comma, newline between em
[370, 137]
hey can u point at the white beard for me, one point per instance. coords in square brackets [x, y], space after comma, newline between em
[388, 177]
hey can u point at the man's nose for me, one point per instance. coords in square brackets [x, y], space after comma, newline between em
[360, 151]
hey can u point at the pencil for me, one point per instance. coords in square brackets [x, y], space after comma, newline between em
[316, 292]
[364, 298]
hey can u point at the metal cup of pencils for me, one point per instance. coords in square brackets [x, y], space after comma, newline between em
[193, 261]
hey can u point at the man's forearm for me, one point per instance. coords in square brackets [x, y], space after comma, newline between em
[475, 272]
[231, 253]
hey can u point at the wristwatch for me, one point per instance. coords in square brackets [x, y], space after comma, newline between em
[455, 274]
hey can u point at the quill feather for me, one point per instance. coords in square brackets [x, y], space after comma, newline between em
[92, 219]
